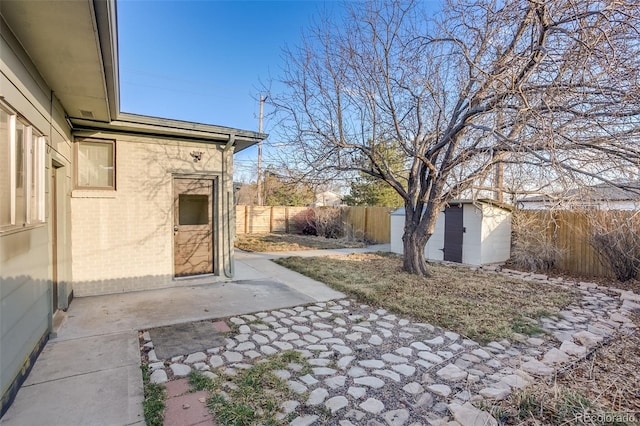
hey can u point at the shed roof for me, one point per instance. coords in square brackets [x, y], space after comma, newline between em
[484, 201]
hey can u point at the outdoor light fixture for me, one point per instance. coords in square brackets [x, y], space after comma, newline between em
[196, 155]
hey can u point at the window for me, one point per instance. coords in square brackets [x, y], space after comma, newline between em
[193, 209]
[22, 171]
[95, 165]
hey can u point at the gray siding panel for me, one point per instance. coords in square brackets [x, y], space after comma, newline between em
[24, 299]
[24, 337]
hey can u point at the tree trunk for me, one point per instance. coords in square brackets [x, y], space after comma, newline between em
[414, 244]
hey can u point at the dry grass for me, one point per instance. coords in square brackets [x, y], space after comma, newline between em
[291, 242]
[601, 389]
[478, 305]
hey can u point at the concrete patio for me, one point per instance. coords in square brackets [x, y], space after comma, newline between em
[89, 373]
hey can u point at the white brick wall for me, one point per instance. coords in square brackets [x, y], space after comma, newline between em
[123, 240]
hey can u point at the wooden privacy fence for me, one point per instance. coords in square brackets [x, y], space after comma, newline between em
[370, 223]
[570, 232]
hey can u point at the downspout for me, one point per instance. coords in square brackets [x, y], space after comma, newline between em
[228, 267]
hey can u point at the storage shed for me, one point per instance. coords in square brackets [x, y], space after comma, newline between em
[475, 232]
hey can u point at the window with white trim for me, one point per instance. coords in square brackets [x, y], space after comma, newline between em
[95, 164]
[22, 172]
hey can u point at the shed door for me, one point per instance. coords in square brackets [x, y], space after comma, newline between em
[453, 230]
[193, 226]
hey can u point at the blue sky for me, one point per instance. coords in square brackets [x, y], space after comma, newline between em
[206, 61]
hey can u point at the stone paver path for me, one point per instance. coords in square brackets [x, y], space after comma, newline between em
[372, 367]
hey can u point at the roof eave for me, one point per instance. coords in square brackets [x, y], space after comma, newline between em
[166, 128]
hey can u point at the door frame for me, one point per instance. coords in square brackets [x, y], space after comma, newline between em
[57, 197]
[215, 222]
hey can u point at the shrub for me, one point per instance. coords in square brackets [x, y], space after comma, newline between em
[614, 237]
[532, 248]
[325, 222]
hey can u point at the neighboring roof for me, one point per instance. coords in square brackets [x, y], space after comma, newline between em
[626, 191]
[485, 201]
[73, 45]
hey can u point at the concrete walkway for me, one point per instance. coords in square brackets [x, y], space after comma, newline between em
[89, 373]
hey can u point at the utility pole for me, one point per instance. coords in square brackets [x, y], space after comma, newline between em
[262, 99]
[498, 181]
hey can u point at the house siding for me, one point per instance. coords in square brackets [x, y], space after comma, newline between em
[26, 254]
[123, 240]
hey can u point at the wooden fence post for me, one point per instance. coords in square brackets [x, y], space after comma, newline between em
[286, 220]
[271, 220]
[246, 221]
[366, 223]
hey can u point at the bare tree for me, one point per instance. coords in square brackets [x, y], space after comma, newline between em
[551, 84]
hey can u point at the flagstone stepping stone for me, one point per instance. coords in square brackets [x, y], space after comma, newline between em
[357, 372]
[385, 324]
[232, 356]
[323, 371]
[537, 368]
[285, 408]
[372, 382]
[180, 370]
[297, 387]
[571, 348]
[356, 392]
[308, 379]
[323, 334]
[439, 340]
[285, 346]
[156, 365]
[496, 394]
[441, 390]
[451, 335]
[354, 337]
[375, 340]
[481, 353]
[244, 346]
[387, 373]
[404, 351]
[404, 369]
[343, 350]
[420, 346]
[430, 357]
[319, 362]
[555, 356]
[158, 376]
[260, 339]
[335, 381]
[304, 420]
[396, 417]
[587, 338]
[345, 361]
[195, 357]
[371, 363]
[515, 381]
[413, 388]
[452, 373]
[317, 396]
[468, 415]
[336, 403]
[372, 406]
